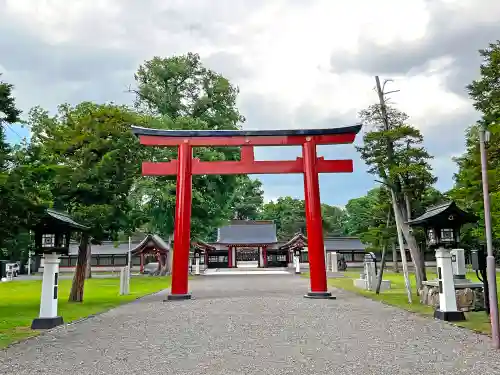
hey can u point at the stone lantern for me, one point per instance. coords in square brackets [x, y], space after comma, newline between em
[442, 225]
[52, 236]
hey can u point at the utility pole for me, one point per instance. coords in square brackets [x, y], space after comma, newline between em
[490, 259]
[397, 217]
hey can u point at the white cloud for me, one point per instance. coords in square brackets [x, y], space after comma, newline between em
[277, 51]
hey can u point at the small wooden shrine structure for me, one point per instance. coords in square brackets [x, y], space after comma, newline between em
[153, 245]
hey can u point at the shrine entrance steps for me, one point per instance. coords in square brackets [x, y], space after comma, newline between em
[246, 271]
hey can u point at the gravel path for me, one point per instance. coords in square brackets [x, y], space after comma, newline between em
[254, 325]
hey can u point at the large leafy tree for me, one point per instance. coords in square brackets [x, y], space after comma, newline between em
[394, 152]
[248, 198]
[14, 202]
[289, 216]
[485, 93]
[180, 93]
[97, 160]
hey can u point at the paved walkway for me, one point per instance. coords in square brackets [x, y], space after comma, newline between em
[254, 325]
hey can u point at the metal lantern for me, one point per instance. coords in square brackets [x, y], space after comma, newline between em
[297, 252]
[197, 254]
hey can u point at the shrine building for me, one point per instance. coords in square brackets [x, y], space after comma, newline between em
[243, 242]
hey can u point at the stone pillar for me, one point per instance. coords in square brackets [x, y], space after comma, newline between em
[124, 285]
[370, 272]
[197, 266]
[296, 260]
[334, 257]
[458, 263]
[233, 256]
[261, 257]
[48, 301]
[447, 299]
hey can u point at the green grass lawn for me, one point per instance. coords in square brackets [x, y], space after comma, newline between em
[396, 296]
[20, 302]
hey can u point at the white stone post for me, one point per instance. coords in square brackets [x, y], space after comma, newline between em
[458, 263]
[261, 257]
[334, 257]
[447, 299]
[123, 281]
[370, 273]
[197, 266]
[48, 300]
[297, 263]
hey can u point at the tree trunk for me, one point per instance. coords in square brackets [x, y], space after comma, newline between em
[382, 262]
[412, 244]
[418, 250]
[395, 263]
[381, 272]
[398, 219]
[88, 270]
[76, 294]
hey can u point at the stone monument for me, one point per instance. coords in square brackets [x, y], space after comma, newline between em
[368, 279]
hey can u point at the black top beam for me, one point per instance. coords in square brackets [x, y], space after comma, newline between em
[137, 130]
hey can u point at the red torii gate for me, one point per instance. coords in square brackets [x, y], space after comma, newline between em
[185, 166]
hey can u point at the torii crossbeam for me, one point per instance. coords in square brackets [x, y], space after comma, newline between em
[310, 165]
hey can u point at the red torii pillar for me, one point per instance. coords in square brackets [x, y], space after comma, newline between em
[185, 166]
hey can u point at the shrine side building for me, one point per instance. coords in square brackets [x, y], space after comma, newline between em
[239, 243]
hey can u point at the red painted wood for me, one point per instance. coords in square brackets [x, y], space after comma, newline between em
[244, 167]
[182, 229]
[151, 140]
[314, 223]
[247, 154]
[230, 257]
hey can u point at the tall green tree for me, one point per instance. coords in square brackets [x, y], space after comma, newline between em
[97, 159]
[248, 198]
[180, 93]
[393, 151]
[11, 214]
[485, 93]
[289, 216]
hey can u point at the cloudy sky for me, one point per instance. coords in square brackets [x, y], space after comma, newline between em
[298, 64]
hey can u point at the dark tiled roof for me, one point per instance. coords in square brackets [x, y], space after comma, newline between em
[247, 232]
[440, 212]
[105, 248]
[157, 243]
[331, 243]
[112, 248]
[298, 240]
[65, 218]
[344, 243]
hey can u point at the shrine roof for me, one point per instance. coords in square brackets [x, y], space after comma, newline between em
[151, 240]
[344, 243]
[138, 130]
[440, 214]
[331, 243]
[241, 232]
[120, 248]
[64, 219]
